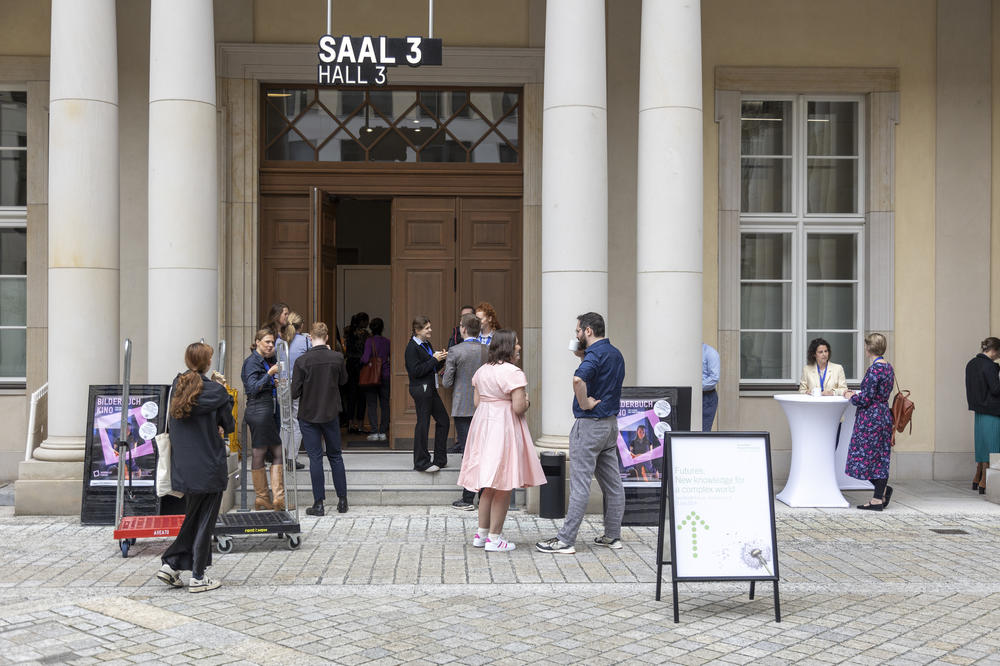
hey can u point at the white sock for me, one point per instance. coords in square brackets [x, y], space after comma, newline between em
[482, 532]
[494, 537]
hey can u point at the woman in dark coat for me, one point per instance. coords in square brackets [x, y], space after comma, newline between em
[982, 390]
[201, 413]
[871, 442]
[259, 369]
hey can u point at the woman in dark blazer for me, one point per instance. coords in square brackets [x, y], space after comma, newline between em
[259, 369]
[422, 365]
[200, 412]
[982, 391]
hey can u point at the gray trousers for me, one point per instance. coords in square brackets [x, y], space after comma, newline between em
[593, 452]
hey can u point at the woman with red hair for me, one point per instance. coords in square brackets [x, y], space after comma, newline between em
[488, 322]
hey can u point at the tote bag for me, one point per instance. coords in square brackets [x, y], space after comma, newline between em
[164, 486]
[371, 374]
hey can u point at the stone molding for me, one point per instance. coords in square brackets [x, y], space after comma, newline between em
[21, 69]
[806, 80]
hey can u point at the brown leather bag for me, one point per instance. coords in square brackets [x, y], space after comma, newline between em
[902, 412]
[371, 374]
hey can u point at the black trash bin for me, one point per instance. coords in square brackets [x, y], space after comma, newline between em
[552, 496]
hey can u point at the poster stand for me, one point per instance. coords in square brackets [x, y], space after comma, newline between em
[722, 559]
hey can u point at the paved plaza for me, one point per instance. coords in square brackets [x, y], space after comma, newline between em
[388, 585]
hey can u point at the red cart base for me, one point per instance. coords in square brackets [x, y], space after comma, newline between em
[143, 527]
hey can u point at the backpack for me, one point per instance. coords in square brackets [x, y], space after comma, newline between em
[902, 412]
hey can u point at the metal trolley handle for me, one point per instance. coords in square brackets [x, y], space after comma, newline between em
[122, 444]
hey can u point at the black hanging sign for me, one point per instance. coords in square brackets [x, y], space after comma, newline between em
[364, 61]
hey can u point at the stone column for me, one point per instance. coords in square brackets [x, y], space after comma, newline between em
[670, 195]
[84, 346]
[574, 197]
[183, 183]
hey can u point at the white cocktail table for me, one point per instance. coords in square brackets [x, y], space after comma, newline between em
[812, 421]
[843, 444]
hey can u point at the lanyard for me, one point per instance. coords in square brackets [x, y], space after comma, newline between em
[822, 377]
[874, 361]
[427, 348]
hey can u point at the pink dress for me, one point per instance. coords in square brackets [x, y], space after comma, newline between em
[498, 452]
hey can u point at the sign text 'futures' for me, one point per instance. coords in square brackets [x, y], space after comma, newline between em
[363, 61]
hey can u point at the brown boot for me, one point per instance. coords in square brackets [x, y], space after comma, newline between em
[261, 500]
[278, 486]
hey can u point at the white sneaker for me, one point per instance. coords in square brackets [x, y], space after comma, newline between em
[374, 437]
[479, 541]
[501, 545]
[432, 469]
[170, 576]
[203, 584]
[381, 437]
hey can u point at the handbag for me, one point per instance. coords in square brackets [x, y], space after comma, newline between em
[902, 412]
[371, 374]
[164, 485]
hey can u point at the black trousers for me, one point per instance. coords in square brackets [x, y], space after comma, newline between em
[428, 403]
[378, 395]
[192, 549]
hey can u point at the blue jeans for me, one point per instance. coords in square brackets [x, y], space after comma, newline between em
[709, 403]
[313, 435]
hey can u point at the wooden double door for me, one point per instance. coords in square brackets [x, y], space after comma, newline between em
[446, 252]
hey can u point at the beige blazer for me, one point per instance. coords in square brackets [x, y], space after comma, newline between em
[835, 379]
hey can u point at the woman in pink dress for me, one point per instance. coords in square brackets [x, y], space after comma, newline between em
[499, 455]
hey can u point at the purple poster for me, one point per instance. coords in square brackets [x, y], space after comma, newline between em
[142, 427]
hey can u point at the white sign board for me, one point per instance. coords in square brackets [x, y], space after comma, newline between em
[722, 512]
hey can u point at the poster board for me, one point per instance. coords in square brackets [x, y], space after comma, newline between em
[146, 418]
[645, 416]
[721, 510]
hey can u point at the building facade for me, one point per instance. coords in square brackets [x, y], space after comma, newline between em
[751, 175]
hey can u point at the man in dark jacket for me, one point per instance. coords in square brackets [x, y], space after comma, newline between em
[316, 380]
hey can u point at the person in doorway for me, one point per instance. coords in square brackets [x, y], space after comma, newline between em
[316, 380]
[871, 441]
[355, 336]
[710, 365]
[200, 414]
[488, 322]
[464, 359]
[378, 396]
[277, 320]
[597, 389]
[500, 455]
[259, 369]
[982, 391]
[422, 365]
[298, 343]
[821, 376]
[456, 335]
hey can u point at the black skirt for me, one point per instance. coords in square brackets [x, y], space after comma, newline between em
[263, 422]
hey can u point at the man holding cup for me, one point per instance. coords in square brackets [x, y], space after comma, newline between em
[593, 448]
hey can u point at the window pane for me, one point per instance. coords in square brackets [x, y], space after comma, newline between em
[290, 102]
[766, 185]
[832, 186]
[842, 349]
[765, 355]
[12, 352]
[341, 103]
[443, 148]
[832, 257]
[13, 177]
[766, 128]
[468, 130]
[13, 119]
[832, 128]
[765, 306]
[13, 251]
[291, 146]
[831, 306]
[392, 148]
[765, 256]
[316, 124]
[13, 301]
[494, 149]
[492, 105]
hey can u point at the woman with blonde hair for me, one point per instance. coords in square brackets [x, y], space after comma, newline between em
[200, 414]
[871, 442]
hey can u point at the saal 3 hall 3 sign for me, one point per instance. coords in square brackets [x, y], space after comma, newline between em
[363, 61]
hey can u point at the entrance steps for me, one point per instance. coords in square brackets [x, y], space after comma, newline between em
[385, 478]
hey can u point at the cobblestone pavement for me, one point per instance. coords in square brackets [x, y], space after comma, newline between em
[387, 585]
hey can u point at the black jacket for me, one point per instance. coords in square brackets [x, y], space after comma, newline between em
[198, 454]
[420, 365]
[316, 380]
[982, 385]
[256, 381]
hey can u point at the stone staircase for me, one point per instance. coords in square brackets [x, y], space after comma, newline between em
[993, 479]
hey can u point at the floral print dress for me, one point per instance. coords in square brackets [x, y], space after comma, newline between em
[871, 442]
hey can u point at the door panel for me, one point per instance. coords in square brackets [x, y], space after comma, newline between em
[489, 265]
[423, 228]
[324, 233]
[284, 254]
[497, 282]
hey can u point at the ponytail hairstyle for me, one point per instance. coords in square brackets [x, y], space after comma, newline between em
[293, 328]
[198, 358]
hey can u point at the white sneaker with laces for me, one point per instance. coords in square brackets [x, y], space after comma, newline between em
[170, 576]
[374, 437]
[432, 469]
[479, 541]
[501, 545]
[203, 584]
[381, 437]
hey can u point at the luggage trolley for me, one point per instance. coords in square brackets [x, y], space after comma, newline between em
[285, 523]
[129, 528]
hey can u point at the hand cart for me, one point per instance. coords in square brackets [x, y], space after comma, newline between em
[285, 524]
[130, 528]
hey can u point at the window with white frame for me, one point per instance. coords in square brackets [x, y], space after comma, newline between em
[13, 235]
[801, 233]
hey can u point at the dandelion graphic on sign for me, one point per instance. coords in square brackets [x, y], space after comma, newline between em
[756, 556]
[692, 521]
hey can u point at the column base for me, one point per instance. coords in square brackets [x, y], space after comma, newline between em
[61, 449]
[48, 488]
[552, 443]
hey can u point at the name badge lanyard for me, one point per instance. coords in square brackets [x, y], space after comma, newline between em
[430, 352]
[822, 377]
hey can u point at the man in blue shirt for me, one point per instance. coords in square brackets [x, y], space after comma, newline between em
[593, 448]
[709, 380]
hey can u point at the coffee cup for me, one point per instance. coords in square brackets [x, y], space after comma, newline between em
[574, 344]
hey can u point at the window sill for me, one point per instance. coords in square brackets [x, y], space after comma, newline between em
[13, 389]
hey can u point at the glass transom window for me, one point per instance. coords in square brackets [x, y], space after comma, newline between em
[13, 235]
[801, 234]
[313, 124]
